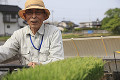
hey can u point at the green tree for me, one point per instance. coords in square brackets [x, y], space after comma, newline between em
[112, 20]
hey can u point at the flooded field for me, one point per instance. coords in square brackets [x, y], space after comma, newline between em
[2, 42]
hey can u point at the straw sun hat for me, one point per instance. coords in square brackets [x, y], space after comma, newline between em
[37, 4]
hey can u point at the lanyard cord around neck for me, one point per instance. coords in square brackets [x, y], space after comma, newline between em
[40, 43]
[34, 45]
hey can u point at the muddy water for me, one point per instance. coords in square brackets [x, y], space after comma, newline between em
[2, 42]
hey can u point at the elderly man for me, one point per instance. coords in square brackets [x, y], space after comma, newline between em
[37, 43]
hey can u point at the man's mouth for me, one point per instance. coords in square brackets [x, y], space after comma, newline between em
[33, 22]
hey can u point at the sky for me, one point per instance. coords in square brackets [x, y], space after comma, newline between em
[75, 10]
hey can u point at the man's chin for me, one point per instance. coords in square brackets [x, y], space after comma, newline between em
[35, 26]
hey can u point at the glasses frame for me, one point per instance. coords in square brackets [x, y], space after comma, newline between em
[36, 11]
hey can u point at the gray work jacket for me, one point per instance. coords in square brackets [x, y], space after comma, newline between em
[19, 43]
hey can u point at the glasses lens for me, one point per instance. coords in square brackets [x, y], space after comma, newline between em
[28, 12]
[36, 11]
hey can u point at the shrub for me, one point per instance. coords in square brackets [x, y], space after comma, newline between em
[77, 68]
[66, 30]
[78, 29]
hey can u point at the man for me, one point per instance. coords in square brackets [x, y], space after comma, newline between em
[37, 43]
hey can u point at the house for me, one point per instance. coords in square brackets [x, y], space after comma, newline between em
[86, 24]
[66, 24]
[9, 19]
[62, 24]
[96, 24]
[91, 24]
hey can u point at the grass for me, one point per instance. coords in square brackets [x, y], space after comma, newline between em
[71, 35]
[75, 35]
[4, 38]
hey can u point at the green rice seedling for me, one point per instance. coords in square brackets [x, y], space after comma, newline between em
[77, 68]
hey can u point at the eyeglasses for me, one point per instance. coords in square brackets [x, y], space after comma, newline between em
[36, 11]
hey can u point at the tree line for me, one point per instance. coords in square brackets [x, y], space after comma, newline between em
[111, 21]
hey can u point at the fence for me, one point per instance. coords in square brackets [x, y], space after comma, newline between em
[95, 46]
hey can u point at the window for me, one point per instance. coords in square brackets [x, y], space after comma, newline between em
[13, 16]
[8, 26]
[21, 26]
[6, 17]
[9, 18]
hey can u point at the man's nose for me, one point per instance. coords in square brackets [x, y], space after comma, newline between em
[34, 15]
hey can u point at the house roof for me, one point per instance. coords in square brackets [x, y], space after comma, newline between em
[67, 22]
[9, 8]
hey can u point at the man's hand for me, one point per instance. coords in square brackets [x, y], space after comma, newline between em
[32, 64]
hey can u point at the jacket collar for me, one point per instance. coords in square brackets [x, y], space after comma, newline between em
[40, 31]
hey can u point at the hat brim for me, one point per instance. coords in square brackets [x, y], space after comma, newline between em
[22, 12]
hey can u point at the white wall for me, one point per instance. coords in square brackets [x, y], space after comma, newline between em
[1, 25]
[13, 27]
[63, 24]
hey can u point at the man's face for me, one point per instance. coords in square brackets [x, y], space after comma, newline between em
[34, 17]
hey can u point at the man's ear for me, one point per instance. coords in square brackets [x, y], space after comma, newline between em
[24, 15]
[45, 15]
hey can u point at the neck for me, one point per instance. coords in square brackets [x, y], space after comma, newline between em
[34, 30]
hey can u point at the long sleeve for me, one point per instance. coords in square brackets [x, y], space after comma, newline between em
[9, 49]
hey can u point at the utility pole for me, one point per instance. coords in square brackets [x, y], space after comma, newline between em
[63, 19]
[89, 18]
[52, 17]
